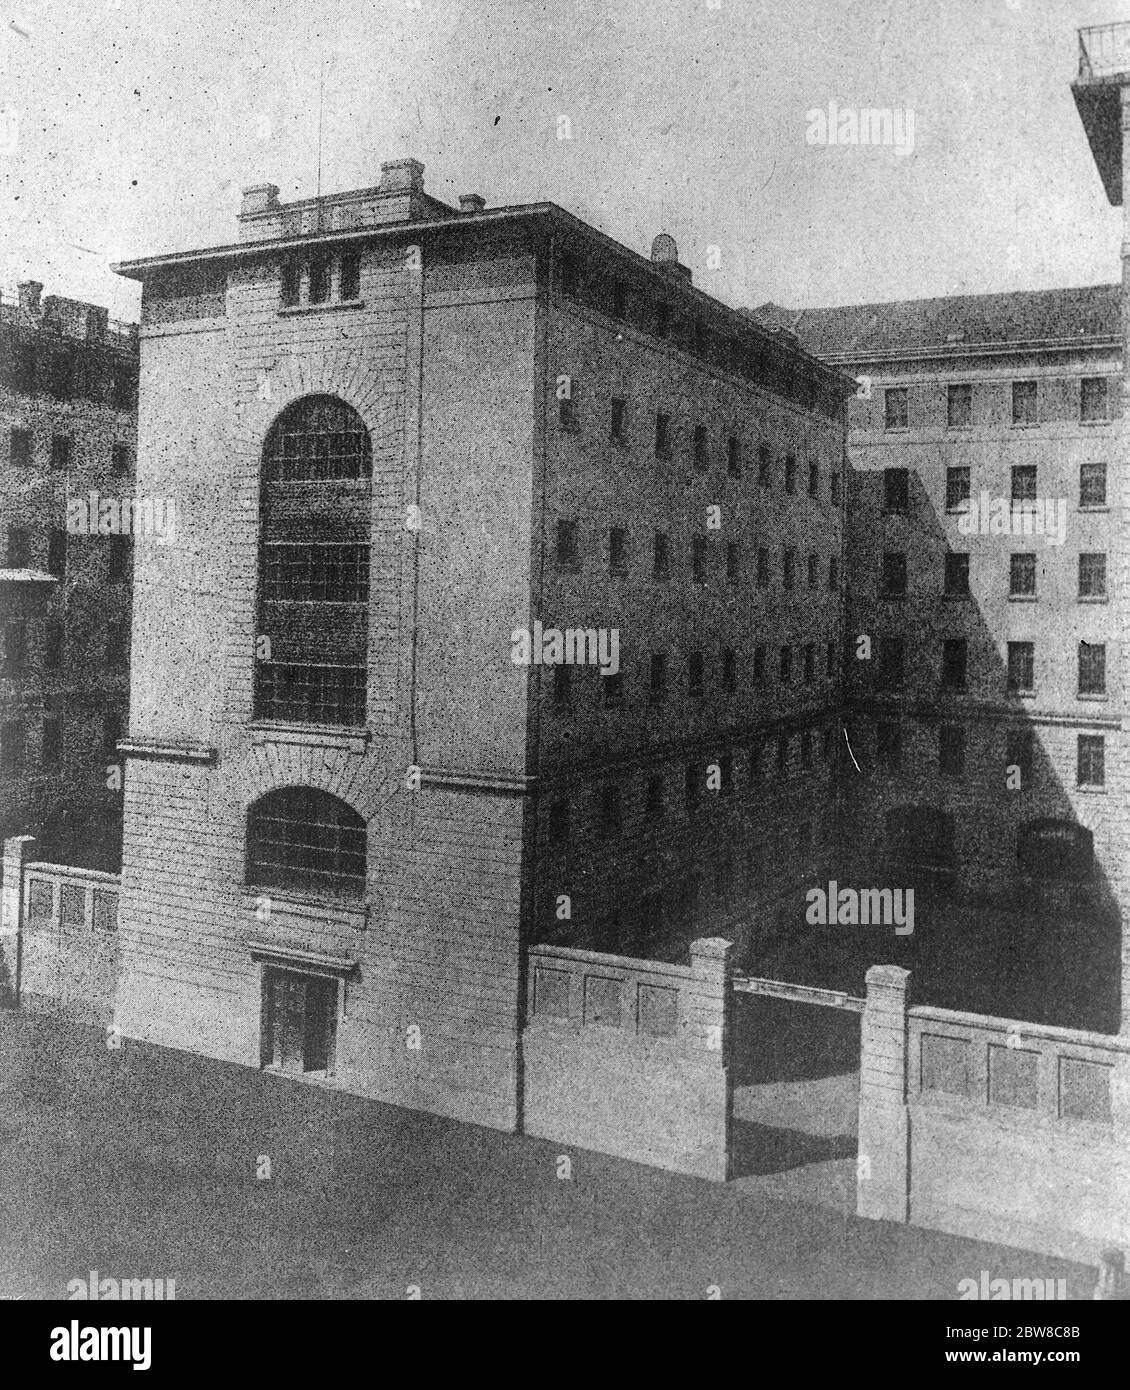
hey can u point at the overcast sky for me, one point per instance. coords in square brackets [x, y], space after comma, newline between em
[139, 123]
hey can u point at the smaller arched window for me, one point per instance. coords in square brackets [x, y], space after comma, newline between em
[304, 840]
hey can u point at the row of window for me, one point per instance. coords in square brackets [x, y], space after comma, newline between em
[642, 306]
[697, 683]
[21, 451]
[567, 556]
[18, 634]
[699, 782]
[17, 551]
[14, 743]
[702, 451]
[1020, 668]
[66, 372]
[1021, 575]
[1093, 401]
[321, 278]
[1023, 482]
[1090, 759]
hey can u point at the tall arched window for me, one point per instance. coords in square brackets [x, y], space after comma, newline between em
[306, 841]
[314, 529]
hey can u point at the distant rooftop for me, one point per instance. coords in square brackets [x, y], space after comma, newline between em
[956, 324]
[21, 306]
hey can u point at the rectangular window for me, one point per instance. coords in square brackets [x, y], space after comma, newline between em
[764, 465]
[24, 368]
[785, 670]
[888, 745]
[809, 663]
[618, 551]
[20, 448]
[300, 1022]
[1093, 399]
[701, 449]
[893, 583]
[350, 285]
[896, 490]
[291, 283]
[954, 662]
[618, 418]
[1092, 668]
[13, 738]
[567, 417]
[734, 457]
[951, 750]
[657, 690]
[1092, 575]
[896, 411]
[119, 458]
[320, 279]
[957, 575]
[612, 688]
[1024, 482]
[698, 559]
[60, 451]
[52, 754]
[1018, 754]
[119, 557]
[833, 573]
[1090, 761]
[695, 665]
[892, 661]
[759, 665]
[835, 489]
[790, 473]
[1092, 484]
[959, 406]
[733, 562]
[311, 693]
[813, 478]
[15, 648]
[53, 640]
[17, 549]
[813, 571]
[123, 390]
[57, 553]
[788, 567]
[1021, 667]
[567, 553]
[729, 671]
[957, 489]
[1024, 403]
[662, 435]
[562, 686]
[762, 566]
[1022, 575]
[661, 568]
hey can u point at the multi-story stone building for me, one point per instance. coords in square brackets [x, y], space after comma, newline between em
[410, 447]
[68, 383]
[987, 600]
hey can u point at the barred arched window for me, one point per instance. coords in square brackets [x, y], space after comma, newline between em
[305, 840]
[314, 528]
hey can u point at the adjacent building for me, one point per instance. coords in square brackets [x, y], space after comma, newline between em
[505, 606]
[68, 400]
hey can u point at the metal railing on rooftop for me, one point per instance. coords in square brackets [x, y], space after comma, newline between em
[1104, 49]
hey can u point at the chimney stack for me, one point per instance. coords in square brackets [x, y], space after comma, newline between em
[471, 202]
[402, 176]
[29, 291]
[665, 256]
[260, 197]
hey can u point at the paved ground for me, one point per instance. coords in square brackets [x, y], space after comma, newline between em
[142, 1163]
